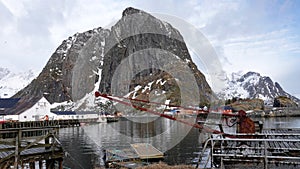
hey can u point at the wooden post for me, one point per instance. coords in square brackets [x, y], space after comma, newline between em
[56, 131]
[32, 165]
[50, 164]
[47, 142]
[265, 154]
[18, 143]
[60, 163]
[22, 164]
[40, 164]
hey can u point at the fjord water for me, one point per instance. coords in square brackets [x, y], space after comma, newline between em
[179, 142]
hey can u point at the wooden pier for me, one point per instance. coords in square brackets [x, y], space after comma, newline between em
[31, 144]
[50, 123]
[21, 147]
[269, 149]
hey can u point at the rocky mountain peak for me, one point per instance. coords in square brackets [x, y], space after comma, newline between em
[130, 11]
[250, 76]
[252, 85]
[150, 42]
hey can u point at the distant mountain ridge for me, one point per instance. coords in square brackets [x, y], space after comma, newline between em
[11, 82]
[253, 85]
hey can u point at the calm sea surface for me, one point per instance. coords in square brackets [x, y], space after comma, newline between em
[179, 142]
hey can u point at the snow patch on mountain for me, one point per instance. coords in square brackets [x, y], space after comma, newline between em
[88, 103]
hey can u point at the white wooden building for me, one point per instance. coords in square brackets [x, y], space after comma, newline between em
[41, 110]
[38, 112]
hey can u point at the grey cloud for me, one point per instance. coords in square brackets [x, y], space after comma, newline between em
[41, 15]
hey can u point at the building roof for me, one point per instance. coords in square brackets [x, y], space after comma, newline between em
[8, 102]
[25, 103]
[85, 112]
[64, 112]
[227, 108]
[73, 112]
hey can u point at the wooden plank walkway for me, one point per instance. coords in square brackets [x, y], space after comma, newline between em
[120, 154]
[135, 154]
[147, 151]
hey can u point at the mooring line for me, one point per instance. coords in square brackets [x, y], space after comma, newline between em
[196, 125]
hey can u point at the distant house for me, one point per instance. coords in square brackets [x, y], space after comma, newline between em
[7, 103]
[227, 109]
[39, 111]
[66, 115]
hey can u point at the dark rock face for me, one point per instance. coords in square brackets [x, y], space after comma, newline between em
[71, 64]
[55, 80]
[70, 72]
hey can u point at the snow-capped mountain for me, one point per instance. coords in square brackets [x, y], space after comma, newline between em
[87, 62]
[11, 83]
[253, 85]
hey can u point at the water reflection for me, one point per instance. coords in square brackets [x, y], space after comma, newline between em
[281, 122]
[178, 141]
[80, 151]
[161, 133]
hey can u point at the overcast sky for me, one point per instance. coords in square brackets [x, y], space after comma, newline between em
[260, 36]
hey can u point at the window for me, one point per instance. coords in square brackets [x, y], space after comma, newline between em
[25, 117]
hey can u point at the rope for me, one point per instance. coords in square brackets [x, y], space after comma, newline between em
[207, 129]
